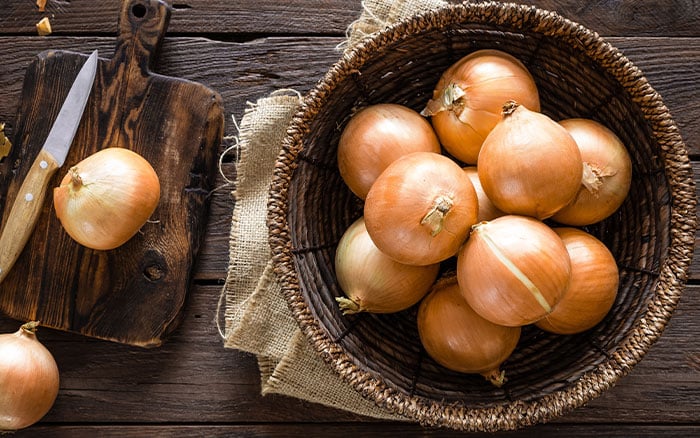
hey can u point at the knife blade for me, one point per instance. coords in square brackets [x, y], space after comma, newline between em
[30, 197]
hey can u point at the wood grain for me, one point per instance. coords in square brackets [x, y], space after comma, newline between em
[388, 430]
[246, 19]
[192, 386]
[177, 126]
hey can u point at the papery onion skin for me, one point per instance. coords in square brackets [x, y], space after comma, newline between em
[468, 98]
[458, 338]
[29, 378]
[593, 287]
[420, 209]
[529, 164]
[105, 199]
[377, 135]
[513, 270]
[487, 211]
[374, 282]
[607, 174]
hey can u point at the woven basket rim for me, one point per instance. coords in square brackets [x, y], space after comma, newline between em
[507, 415]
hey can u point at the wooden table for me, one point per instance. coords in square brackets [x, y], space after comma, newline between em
[246, 49]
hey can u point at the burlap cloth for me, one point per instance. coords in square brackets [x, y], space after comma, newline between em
[257, 319]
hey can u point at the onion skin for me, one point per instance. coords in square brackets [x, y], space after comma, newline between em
[487, 211]
[513, 270]
[420, 209]
[104, 200]
[29, 378]
[467, 100]
[529, 164]
[607, 174]
[593, 288]
[374, 282]
[377, 135]
[456, 337]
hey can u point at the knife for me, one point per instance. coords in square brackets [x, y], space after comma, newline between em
[30, 197]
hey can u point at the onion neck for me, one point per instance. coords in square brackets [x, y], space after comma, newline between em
[29, 328]
[435, 218]
[76, 182]
[450, 99]
[509, 108]
[593, 176]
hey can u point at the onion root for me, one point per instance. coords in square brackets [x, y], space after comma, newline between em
[348, 306]
[496, 377]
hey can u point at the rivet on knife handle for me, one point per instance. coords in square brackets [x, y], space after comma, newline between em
[25, 211]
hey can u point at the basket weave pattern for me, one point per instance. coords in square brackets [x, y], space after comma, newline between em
[651, 236]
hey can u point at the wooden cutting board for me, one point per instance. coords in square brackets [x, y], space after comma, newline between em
[133, 294]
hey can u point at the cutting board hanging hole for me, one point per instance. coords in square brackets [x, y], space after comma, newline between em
[138, 11]
[142, 26]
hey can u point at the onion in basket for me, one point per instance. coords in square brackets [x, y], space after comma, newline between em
[607, 173]
[529, 164]
[593, 287]
[468, 98]
[420, 209]
[513, 270]
[458, 338]
[372, 281]
[377, 135]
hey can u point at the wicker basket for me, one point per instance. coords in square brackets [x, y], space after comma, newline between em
[652, 235]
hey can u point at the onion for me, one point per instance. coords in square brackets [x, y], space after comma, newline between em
[28, 378]
[420, 209]
[377, 135]
[529, 164]
[106, 198]
[487, 211]
[513, 270]
[607, 173]
[374, 282]
[593, 288]
[456, 337]
[468, 98]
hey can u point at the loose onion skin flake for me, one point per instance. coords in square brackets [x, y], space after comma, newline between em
[374, 282]
[529, 164]
[513, 270]
[607, 173]
[420, 209]
[458, 338]
[468, 98]
[593, 288]
[377, 135]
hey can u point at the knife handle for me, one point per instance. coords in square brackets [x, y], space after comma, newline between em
[25, 210]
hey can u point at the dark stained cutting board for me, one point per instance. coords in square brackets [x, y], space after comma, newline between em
[133, 294]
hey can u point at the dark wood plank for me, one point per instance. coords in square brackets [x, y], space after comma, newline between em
[192, 386]
[388, 430]
[246, 18]
[193, 379]
[630, 17]
[243, 17]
